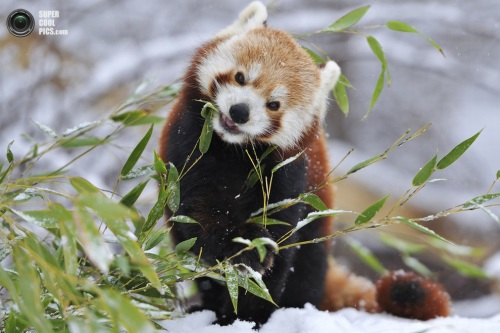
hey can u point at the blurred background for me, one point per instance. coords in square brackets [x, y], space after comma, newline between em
[111, 47]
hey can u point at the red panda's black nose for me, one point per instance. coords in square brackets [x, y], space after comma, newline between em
[240, 113]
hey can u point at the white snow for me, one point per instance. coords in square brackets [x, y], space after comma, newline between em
[311, 320]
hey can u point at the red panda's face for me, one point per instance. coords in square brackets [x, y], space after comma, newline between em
[265, 86]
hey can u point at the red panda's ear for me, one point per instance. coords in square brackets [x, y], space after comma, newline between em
[253, 16]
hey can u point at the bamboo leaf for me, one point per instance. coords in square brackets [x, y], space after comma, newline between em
[456, 152]
[76, 142]
[465, 268]
[425, 173]
[313, 216]
[131, 197]
[260, 220]
[314, 56]
[206, 132]
[139, 172]
[10, 156]
[366, 256]
[368, 214]
[131, 118]
[159, 165]
[182, 219]
[401, 245]
[46, 129]
[340, 94]
[376, 93]
[136, 153]
[154, 238]
[422, 229]
[232, 279]
[416, 265]
[68, 238]
[83, 186]
[481, 199]
[42, 218]
[185, 246]
[173, 189]
[80, 127]
[123, 312]
[155, 213]
[379, 53]
[285, 162]
[92, 240]
[347, 20]
[315, 201]
[404, 27]
[364, 164]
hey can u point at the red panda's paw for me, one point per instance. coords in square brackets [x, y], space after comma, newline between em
[251, 258]
[408, 295]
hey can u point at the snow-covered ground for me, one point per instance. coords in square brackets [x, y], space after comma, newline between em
[111, 47]
[310, 320]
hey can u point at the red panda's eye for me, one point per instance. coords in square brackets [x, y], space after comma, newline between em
[275, 105]
[240, 78]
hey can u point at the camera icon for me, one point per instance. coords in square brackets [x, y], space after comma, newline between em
[20, 23]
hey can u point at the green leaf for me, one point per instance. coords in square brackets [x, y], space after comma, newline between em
[285, 162]
[416, 265]
[68, 238]
[347, 20]
[10, 156]
[340, 94]
[173, 189]
[313, 216]
[76, 142]
[456, 152]
[379, 53]
[481, 199]
[401, 245]
[182, 219]
[376, 93]
[154, 238]
[80, 127]
[404, 27]
[425, 173]
[155, 213]
[28, 283]
[315, 201]
[42, 218]
[260, 220]
[131, 197]
[314, 56]
[421, 228]
[159, 165]
[92, 240]
[261, 243]
[47, 130]
[123, 312]
[185, 246]
[366, 256]
[498, 174]
[370, 212]
[136, 153]
[145, 170]
[83, 186]
[465, 268]
[134, 117]
[232, 284]
[206, 133]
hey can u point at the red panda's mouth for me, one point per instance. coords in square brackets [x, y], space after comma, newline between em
[229, 125]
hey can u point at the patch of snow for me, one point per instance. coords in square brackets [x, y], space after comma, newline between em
[311, 320]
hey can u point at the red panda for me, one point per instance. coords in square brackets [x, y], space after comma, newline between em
[269, 93]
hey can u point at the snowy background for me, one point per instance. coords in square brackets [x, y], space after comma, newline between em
[113, 46]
